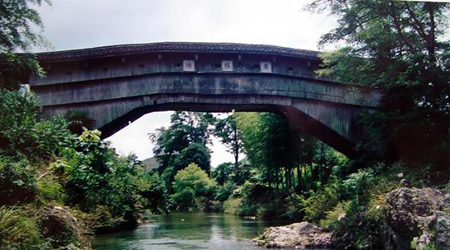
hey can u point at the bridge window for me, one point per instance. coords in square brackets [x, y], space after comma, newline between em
[188, 65]
[227, 65]
[266, 67]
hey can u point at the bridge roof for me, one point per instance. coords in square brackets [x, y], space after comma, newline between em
[130, 49]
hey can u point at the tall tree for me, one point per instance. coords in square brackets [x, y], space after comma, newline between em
[182, 143]
[400, 48]
[269, 146]
[229, 134]
[185, 128]
[18, 20]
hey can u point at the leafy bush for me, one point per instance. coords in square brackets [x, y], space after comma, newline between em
[334, 216]
[185, 199]
[232, 206]
[18, 115]
[153, 193]
[224, 192]
[318, 204]
[22, 136]
[294, 209]
[17, 183]
[189, 184]
[50, 190]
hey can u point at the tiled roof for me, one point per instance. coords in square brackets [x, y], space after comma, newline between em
[128, 49]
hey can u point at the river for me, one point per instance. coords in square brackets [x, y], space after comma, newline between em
[187, 231]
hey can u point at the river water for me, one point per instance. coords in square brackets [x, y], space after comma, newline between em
[187, 231]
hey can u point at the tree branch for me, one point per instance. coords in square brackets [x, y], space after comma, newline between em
[398, 28]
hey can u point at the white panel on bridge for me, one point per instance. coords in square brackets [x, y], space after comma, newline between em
[266, 67]
[188, 65]
[227, 66]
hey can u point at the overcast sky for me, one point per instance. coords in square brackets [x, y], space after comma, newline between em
[74, 24]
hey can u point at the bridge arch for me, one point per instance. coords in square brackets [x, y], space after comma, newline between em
[117, 84]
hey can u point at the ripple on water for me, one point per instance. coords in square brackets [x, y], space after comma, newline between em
[180, 231]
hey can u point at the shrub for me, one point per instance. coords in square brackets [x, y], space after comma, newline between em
[232, 206]
[294, 210]
[226, 191]
[17, 183]
[18, 231]
[190, 184]
[318, 204]
[50, 190]
[334, 216]
[185, 199]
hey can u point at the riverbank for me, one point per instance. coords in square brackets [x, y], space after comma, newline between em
[415, 219]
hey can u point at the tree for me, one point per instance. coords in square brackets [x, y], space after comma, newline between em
[17, 22]
[185, 128]
[195, 153]
[222, 172]
[227, 131]
[269, 146]
[400, 48]
[182, 143]
[191, 183]
[22, 135]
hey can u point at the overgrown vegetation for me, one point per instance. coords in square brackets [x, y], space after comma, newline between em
[56, 170]
[44, 167]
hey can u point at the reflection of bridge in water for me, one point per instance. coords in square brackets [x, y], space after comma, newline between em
[118, 84]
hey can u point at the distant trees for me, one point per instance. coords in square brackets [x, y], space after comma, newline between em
[226, 129]
[183, 142]
[286, 159]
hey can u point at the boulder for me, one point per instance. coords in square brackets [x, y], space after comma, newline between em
[297, 235]
[62, 228]
[419, 218]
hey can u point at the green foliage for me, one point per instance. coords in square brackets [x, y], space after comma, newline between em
[232, 206]
[335, 215]
[268, 145]
[42, 163]
[17, 183]
[399, 47]
[22, 135]
[194, 153]
[184, 142]
[96, 177]
[318, 204]
[185, 199]
[225, 191]
[356, 202]
[191, 183]
[50, 190]
[18, 231]
[293, 208]
[154, 193]
[18, 20]
[226, 129]
[222, 172]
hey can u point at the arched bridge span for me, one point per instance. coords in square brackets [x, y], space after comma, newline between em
[117, 84]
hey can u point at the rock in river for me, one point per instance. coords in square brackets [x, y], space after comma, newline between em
[297, 235]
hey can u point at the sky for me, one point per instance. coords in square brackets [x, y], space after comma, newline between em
[76, 24]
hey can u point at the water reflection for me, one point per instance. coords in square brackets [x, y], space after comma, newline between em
[186, 231]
